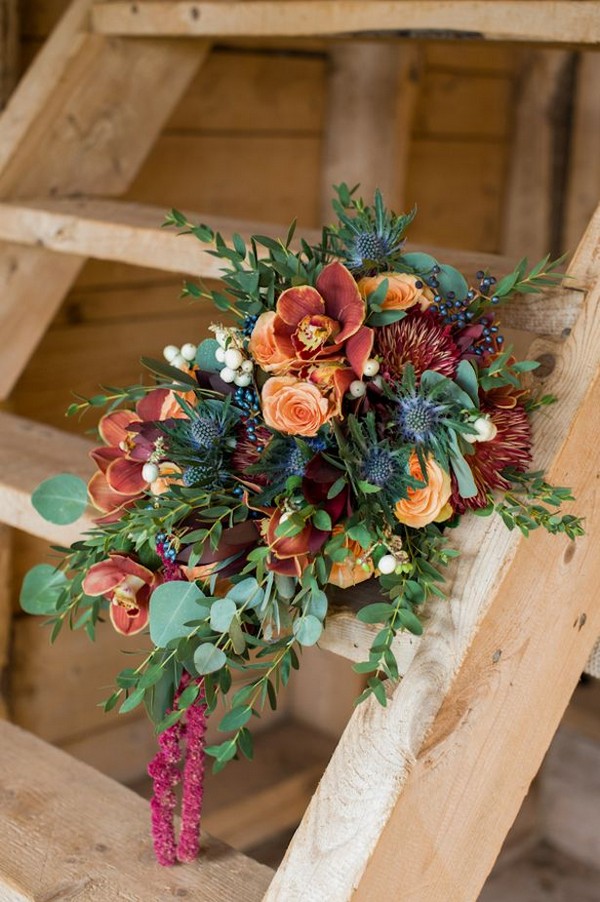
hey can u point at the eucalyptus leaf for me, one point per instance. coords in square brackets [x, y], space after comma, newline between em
[172, 605]
[208, 659]
[308, 629]
[420, 262]
[41, 588]
[61, 499]
[221, 614]
[247, 592]
[466, 378]
[451, 280]
[235, 719]
[205, 356]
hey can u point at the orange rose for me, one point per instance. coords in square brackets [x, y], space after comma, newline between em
[404, 290]
[350, 572]
[293, 406]
[263, 347]
[171, 409]
[430, 503]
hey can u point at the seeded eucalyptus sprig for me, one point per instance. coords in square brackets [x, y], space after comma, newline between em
[532, 503]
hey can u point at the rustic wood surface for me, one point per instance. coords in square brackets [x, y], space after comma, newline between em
[486, 663]
[583, 185]
[5, 614]
[30, 453]
[377, 86]
[66, 831]
[9, 48]
[571, 21]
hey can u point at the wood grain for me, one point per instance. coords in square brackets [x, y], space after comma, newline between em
[583, 186]
[68, 831]
[573, 21]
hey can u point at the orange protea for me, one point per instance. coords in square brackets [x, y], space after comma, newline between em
[420, 339]
[510, 447]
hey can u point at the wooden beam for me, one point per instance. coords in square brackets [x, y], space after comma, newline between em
[534, 178]
[66, 830]
[5, 613]
[30, 453]
[570, 21]
[372, 89]
[9, 48]
[441, 772]
[583, 185]
[62, 131]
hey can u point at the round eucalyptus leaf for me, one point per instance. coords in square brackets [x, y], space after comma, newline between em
[247, 592]
[222, 613]
[172, 605]
[61, 499]
[307, 630]
[208, 659]
[41, 588]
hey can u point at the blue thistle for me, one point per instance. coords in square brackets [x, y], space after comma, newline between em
[204, 433]
[419, 417]
[379, 466]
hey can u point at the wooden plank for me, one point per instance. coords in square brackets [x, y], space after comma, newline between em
[460, 105]
[530, 208]
[30, 453]
[5, 613]
[570, 796]
[457, 731]
[375, 85]
[63, 132]
[9, 48]
[572, 21]
[69, 831]
[543, 873]
[583, 186]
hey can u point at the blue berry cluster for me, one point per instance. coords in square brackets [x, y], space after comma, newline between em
[455, 312]
[247, 400]
[165, 547]
[249, 324]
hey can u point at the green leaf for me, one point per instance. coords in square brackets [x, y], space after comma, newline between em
[132, 701]
[379, 612]
[41, 588]
[208, 659]
[317, 604]
[466, 378]
[205, 356]
[221, 614]
[61, 499]
[285, 585]
[410, 621]
[336, 488]
[308, 629]
[322, 520]
[168, 372]
[236, 634]
[386, 317]
[247, 592]
[414, 592]
[451, 280]
[421, 263]
[236, 718]
[172, 605]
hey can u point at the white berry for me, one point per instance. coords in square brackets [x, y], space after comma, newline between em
[180, 362]
[357, 388]
[189, 351]
[220, 355]
[387, 564]
[243, 379]
[233, 358]
[227, 374]
[371, 367]
[150, 472]
[485, 429]
[170, 352]
[247, 366]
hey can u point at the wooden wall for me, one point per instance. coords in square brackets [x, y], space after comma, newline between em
[246, 141]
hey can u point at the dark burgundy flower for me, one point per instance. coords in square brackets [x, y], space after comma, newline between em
[319, 477]
[420, 339]
[511, 447]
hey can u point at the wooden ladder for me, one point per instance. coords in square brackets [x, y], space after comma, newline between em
[418, 797]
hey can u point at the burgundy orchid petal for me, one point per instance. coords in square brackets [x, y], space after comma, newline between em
[113, 426]
[125, 477]
[296, 303]
[126, 623]
[102, 457]
[343, 301]
[149, 408]
[359, 348]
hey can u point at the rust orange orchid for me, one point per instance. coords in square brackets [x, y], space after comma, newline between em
[128, 586]
[315, 324]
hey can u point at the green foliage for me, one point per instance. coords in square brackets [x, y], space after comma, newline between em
[172, 606]
[61, 499]
[41, 589]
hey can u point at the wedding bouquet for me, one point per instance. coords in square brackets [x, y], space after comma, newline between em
[352, 403]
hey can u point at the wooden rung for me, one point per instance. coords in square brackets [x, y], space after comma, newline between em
[30, 453]
[68, 831]
[132, 233]
[573, 21]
